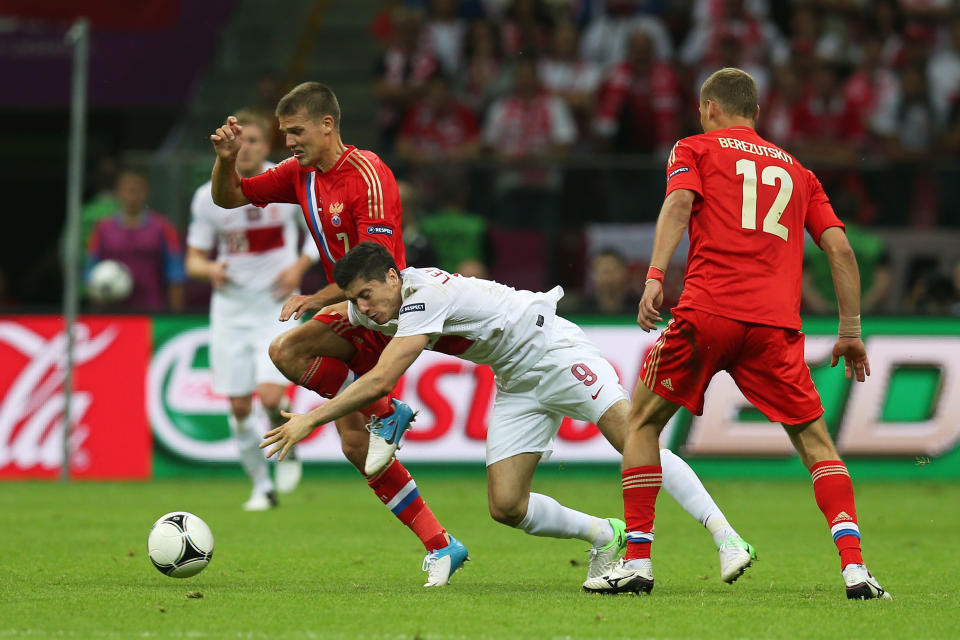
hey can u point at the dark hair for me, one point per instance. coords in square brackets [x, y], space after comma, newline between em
[316, 98]
[734, 89]
[130, 170]
[367, 260]
[610, 252]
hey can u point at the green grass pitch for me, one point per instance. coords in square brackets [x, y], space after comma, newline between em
[331, 562]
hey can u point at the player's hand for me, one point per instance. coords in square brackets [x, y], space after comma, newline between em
[286, 282]
[648, 315]
[300, 304]
[218, 275]
[854, 356]
[297, 427]
[228, 139]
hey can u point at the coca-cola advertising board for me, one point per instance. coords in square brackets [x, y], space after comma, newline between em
[905, 421]
[110, 436]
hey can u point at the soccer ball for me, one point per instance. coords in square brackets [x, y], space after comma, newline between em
[109, 281]
[180, 544]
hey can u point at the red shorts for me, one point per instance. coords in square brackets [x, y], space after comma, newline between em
[369, 343]
[766, 363]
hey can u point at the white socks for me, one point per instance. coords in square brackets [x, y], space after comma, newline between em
[548, 518]
[682, 483]
[251, 456]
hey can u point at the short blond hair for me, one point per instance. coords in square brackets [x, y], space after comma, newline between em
[250, 117]
[734, 90]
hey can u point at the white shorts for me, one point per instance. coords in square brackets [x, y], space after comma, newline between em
[241, 329]
[573, 380]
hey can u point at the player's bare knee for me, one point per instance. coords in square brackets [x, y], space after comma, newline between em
[278, 351]
[240, 408]
[506, 511]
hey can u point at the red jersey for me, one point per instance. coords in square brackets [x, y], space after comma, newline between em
[355, 201]
[746, 232]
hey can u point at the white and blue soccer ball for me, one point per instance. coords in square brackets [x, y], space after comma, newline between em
[180, 544]
[109, 281]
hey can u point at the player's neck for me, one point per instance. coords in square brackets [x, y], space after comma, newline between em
[728, 123]
[329, 157]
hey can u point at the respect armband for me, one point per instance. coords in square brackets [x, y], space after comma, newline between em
[654, 273]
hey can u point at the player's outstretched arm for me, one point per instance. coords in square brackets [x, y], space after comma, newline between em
[227, 141]
[671, 225]
[297, 305]
[846, 282]
[399, 354]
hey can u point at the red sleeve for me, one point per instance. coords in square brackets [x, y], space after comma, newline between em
[682, 169]
[376, 206]
[820, 215]
[277, 184]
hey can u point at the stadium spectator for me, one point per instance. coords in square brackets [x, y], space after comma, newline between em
[143, 240]
[523, 129]
[827, 126]
[761, 41]
[458, 235]
[610, 291]
[362, 203]
[740, 312]
[931, 293]
[443, 34]
[730, 54]
[569, 76]
[606, 38]
[872, 81]
[101, 204]
[420, 251]
[638, 103]
[885, 19]
[777, 120]
[482, 80]
[438, 128]
[943, 73]
[526, 28]
[402, 73]
[906, 124]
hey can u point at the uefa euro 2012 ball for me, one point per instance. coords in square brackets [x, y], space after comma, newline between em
[109, 281]
[180, 544]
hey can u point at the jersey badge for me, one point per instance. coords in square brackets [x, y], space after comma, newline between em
[418, 306]
[676, 171]
[253, 213]
[336, 208]
[380, 230]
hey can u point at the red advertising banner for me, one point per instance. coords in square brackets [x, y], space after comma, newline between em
[110, 435]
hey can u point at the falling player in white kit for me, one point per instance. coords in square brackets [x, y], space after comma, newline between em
[545, 369]
[258, 266]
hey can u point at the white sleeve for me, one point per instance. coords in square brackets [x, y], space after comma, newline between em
[424, 312]
[563, 129]
[202, 233]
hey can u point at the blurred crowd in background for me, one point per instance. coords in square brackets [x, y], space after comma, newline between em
[515, 125]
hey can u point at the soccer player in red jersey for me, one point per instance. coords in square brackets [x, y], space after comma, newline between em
[746, 203]
[348, 196]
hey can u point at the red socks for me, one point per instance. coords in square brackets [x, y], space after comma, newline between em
[834, 493]
[396, 489]
[640, 488]
[326, 376]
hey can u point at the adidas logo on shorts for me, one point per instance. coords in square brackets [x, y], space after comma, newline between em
[667, 383]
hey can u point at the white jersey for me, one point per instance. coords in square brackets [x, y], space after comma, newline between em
[478, 320]
[256, 244]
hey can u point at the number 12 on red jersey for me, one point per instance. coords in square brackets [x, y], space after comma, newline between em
[771, 175]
